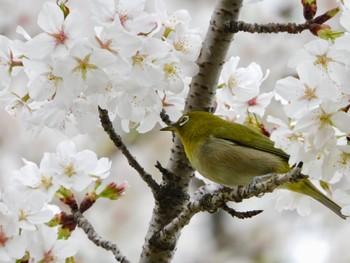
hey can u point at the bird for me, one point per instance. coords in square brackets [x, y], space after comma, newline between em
[233, 154]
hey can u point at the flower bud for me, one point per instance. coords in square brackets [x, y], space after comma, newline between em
[310, 8]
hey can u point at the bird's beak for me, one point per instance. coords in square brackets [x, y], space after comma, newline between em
[170, 127]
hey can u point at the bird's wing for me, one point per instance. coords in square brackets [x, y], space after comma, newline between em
[248, 137]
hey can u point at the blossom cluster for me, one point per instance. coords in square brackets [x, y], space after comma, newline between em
[26, 209]
[316, 103]
[129, 57]
[311, 122]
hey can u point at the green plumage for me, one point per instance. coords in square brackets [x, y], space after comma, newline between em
[233, 154]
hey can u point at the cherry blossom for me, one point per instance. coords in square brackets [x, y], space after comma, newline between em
[12, 246]
[337, 161]
[239, 83]
[325, 57]
[41, 178]
[256, 105]
[305, 93]
[79, 63]
[9, 62]
[320, 122]
[76, 170]
[287, 200]
[45, 247]
[29, 207]
[43, 84]
[344, 19]
[288, 139]
[120, 43]
[60, 32]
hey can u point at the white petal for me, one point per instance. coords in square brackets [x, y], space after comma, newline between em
[51, 18]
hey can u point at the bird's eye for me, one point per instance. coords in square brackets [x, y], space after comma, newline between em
[183, 120]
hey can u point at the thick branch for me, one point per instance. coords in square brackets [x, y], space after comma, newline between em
[213, 53]
[118, 142]
[208, 199]
[84, 224]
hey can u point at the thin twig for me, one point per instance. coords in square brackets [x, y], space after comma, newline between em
[85, 225]
[240, 215]
[165, 172]
[118, 142]
[165, 117]
[291, 28]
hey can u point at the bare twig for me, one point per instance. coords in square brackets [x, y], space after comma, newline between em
[165, 172]
[234, 26]
[165, 117]
[240, 215]
[85, 225]
[118, 142]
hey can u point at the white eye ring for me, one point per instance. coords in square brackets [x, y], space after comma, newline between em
[183, 120]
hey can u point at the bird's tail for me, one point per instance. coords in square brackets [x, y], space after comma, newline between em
[307, 188]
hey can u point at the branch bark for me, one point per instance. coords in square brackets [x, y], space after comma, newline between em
[212, 57]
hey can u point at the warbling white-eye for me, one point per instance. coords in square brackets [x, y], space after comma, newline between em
[232, 154]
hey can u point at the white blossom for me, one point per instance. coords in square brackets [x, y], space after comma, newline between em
[45, 247]
[76, 170]
[59, 35]
[305, 93]
[29, 207]
[41, 178]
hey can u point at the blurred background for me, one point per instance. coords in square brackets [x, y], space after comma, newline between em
[271, 237]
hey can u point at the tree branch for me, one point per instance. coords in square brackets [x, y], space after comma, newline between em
[291, 28]
[212, 57]
[235, 26]
[118, 142]
[85, 225]
[210, 199]
[165, 117]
